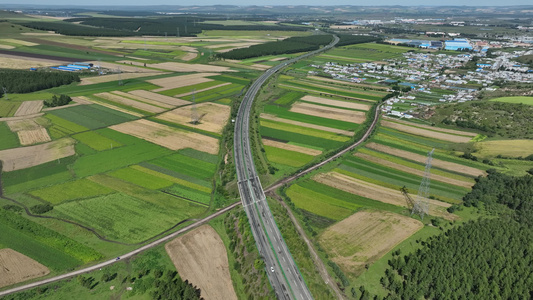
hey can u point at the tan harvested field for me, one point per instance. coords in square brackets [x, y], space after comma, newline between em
[200, 257]
[174, 82]
[142, 99]
[20, 62]
[433, 128]
[426, 133]
[7, 47]
[189, 56]
[16, 267]
[115, 77]
[35, 136]
[329, 112]
[231, 45]
[22, 117]
[25, 157]
[26, 124]
[203, 90]
[337, 103]
[278, 59]
[125, 68]
[370, 158]
[290, 147]
[510, 148]
[308, 125]
[261, 66]
[182, 67]
[213, 116]
[166, 136]
[160, 98]
[29, 108]
[130, 102]
[379, 193]
[422, 158]
[136, 114]
[366, 236]
[18, 42]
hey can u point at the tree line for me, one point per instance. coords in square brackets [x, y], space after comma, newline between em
[22, 81]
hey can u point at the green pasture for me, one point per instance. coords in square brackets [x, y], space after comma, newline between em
[189, 193]
[284, 113]
[522, 99]
[286, 136]
[132, 84]
[8, 139]
[121, 217]
[287, 157]
[430, 142]
[298, 85]
[67, 52]
[320, 204]
[303, 130]
[92, 116]
[186, 165]
[193, 153]
[50, 173]
[8, 108]
[60, 127]
[230, 78]
[140, 178]
[176, 177]
[288, 97]
[190, 88]
[216, 93]
[71, 190]
[96, 141]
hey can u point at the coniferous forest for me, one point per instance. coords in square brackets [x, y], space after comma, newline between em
[485, 259]
[21, 81]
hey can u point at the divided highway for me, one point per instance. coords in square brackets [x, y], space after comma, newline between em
[282, 271]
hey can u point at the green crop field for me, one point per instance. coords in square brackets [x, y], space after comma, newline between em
[303, 130]
[284, 113]
[96, 141]
[122, 217]
[118, 158]
[189, 193]
[523, 100]
[321, 143]
[143, 179]
[389, 132]
[192, 153]
[216, 93]
[302, 86]
[187, 165]
[320, 204]
[287, 157]
[232, 79]
[92, 116]
[8, 108]
[49, 237]
[190, 88]
[61, 127]
[71, 190]
[176, 177]
[8, 139]
[289, 97]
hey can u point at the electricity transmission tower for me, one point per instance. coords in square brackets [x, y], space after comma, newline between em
[5, 92]
[195, 119]
[421, 205]
[120, 77]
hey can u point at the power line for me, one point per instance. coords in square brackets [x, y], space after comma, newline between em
[421, 205]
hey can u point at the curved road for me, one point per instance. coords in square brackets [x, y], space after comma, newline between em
[282, 271]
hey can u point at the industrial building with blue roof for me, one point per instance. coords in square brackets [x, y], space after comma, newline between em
[458, 45]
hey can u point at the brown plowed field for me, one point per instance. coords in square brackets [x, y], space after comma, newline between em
[35, 136]
[158, 97]
[337, 103]
[213, 116]
[25, 157]
[422, 158]
[379, 193]
[308, 125]
[174, 82]
[329, 112]
[290, 147]
[16, 267]
[366, 236]
[370, 158]
[166, 136]
[200, 257]
[29, 108]
[426, 133]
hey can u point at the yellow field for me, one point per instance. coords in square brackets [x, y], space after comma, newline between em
[25, 157]
[16, 267]
[212, 116]
[329, 112]
[509, 148]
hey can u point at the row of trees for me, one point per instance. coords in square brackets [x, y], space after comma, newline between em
[22, 81]
[290, 45]
[483, 259]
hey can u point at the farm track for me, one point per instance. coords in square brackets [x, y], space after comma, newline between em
[163, 239]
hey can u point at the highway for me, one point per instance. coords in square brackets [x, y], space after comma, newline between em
[282, 271]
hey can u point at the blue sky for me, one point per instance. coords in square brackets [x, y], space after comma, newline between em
[274, 2]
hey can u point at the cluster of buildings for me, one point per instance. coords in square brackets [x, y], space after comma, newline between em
[455, 44]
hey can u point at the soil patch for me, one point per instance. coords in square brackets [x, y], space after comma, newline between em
[200, 257]
[173, 82]
[166, 136]
[422, 159]
[329, 112]
[212, 116]
[426, 133]
[25, 157]
[160, 98]
[130, 102]
[365, 237]
[296, 148]
[337, 103]
[16, 267]
[29, 108]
